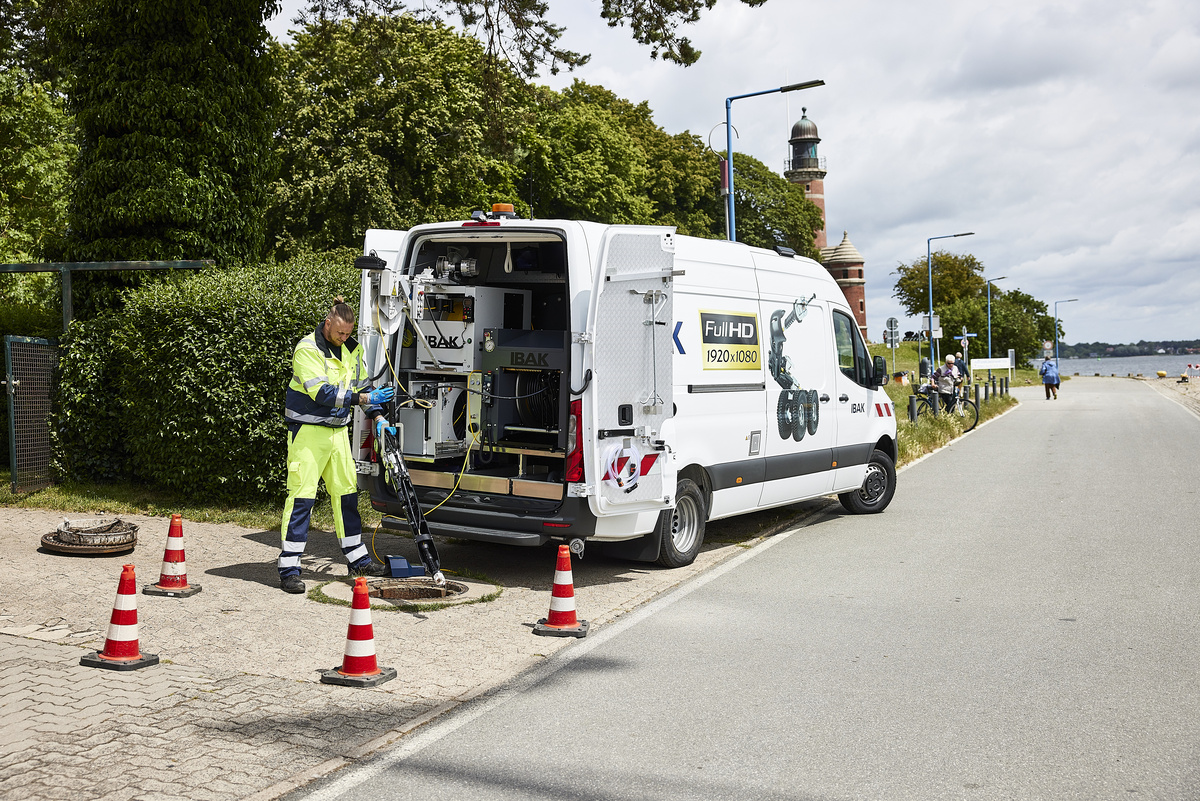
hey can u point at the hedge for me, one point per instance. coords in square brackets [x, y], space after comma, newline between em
[184, 387]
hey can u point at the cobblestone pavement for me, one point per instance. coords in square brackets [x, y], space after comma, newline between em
[235, 709]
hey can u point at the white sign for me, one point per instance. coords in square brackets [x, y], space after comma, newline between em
[990, 364]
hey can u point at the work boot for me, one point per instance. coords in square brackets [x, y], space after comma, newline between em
[291, 584]
[370, 568]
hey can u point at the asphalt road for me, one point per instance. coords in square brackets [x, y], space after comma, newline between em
[1022, 622]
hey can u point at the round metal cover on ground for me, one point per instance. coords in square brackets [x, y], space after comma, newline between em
[413, 589]
[94, 536]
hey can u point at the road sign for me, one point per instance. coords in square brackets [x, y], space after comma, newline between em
[893, 324]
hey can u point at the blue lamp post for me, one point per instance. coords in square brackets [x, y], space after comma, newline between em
[730, 221]
[929, 263]
[990, 281]
[1070, 300]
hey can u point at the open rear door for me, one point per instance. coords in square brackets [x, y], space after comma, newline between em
[629, 321]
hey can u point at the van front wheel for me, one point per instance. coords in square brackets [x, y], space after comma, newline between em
[878, 487]
[681, 530]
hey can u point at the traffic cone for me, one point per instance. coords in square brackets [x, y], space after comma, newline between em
[172, 581]
[561, 621]
[121, 647]
[359, 668]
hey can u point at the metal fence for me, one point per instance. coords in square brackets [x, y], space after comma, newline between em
[29, 373]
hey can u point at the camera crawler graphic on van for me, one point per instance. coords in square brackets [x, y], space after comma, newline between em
[799, 409]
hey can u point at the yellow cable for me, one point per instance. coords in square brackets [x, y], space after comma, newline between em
[461, 473]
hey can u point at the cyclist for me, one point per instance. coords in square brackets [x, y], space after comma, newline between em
[946, 380]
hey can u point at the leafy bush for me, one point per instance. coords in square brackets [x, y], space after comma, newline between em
[184, 388]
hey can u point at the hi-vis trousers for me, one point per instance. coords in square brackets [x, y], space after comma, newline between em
[314, 453]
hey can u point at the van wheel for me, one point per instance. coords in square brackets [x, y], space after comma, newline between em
[877, 488]
[798, 414]
[784, 415]
[814, 411]
[681, 530]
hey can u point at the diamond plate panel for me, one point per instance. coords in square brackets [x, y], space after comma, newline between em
[632, 353]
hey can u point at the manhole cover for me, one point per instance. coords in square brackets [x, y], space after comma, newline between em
[413, 589]
[93, 536]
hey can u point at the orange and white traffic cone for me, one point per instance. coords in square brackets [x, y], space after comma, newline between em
[561, 622]
[121, 650]
[359, 668]
[172, 581]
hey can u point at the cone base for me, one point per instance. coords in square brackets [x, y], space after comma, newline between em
[334, 677]
[171, 592]
[94, 659]
[545, 630]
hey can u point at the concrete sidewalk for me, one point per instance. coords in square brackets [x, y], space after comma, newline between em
[235, 709]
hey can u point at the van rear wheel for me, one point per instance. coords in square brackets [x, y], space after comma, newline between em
[878, 487]
[681, 530]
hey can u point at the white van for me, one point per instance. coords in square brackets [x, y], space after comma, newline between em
[612, 384]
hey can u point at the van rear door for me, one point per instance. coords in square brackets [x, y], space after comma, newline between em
[631, 397]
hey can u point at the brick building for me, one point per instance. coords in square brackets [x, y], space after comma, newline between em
[843, 261]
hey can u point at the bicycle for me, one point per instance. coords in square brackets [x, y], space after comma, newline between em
[966, 409]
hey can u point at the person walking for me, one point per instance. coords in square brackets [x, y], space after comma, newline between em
[329, 378]
[1049, 373]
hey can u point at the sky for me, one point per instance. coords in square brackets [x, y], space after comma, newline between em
[1065, 135]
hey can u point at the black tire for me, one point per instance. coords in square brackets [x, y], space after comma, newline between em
[798, 414]
[969, 413]
[681, 530]
[879, 485]
[814, 411]
[784, 415]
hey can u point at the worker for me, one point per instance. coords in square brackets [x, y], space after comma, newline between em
[329, 378]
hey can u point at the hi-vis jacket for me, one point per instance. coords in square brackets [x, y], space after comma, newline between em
[325, 383]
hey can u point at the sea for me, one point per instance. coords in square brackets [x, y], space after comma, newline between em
[1173, 365]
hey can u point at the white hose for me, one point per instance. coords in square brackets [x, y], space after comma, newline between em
[624, 478]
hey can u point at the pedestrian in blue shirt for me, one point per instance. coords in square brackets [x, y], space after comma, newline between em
[1049, 374]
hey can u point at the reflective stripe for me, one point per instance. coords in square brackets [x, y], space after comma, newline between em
[125, 602]
[289, 561]
[293, 546]
[312, 382]
[360, 648]
[353, 541]
[562, 604]
[562, 577]
[360, 617]
[314, 419]
[123, 633]
[173, 569]
[357, 554]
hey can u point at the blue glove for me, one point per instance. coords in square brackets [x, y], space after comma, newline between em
[379, 396]
[380, 424]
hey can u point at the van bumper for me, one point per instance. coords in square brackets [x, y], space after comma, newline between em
[573, 519]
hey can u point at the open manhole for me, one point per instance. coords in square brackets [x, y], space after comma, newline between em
[413, 589]
[92, 536]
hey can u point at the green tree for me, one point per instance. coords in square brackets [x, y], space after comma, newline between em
[954, 276]
[771, 210]
[35, 155]
[171, 99]
[379, 126]
[520, 33]
[1019, 322]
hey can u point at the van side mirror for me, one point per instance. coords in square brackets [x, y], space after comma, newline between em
[880, 371]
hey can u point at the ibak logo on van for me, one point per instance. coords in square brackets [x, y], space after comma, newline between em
[730, 341]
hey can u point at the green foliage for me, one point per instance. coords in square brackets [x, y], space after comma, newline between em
[519, 32]
[770, 210]
[184, 388]
[35, 156]
[172, 103]
[954, 276]
[379, 127]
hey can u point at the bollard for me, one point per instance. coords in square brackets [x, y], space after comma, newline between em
[993, 386]
[976, 396]
[912, 408]
[985, 391]
[936, 400]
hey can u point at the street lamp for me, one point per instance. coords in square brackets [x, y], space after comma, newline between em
[989, 288]
[929, 263]
[1071, 300]
[730, 223]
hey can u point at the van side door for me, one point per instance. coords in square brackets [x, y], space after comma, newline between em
[854, 404]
